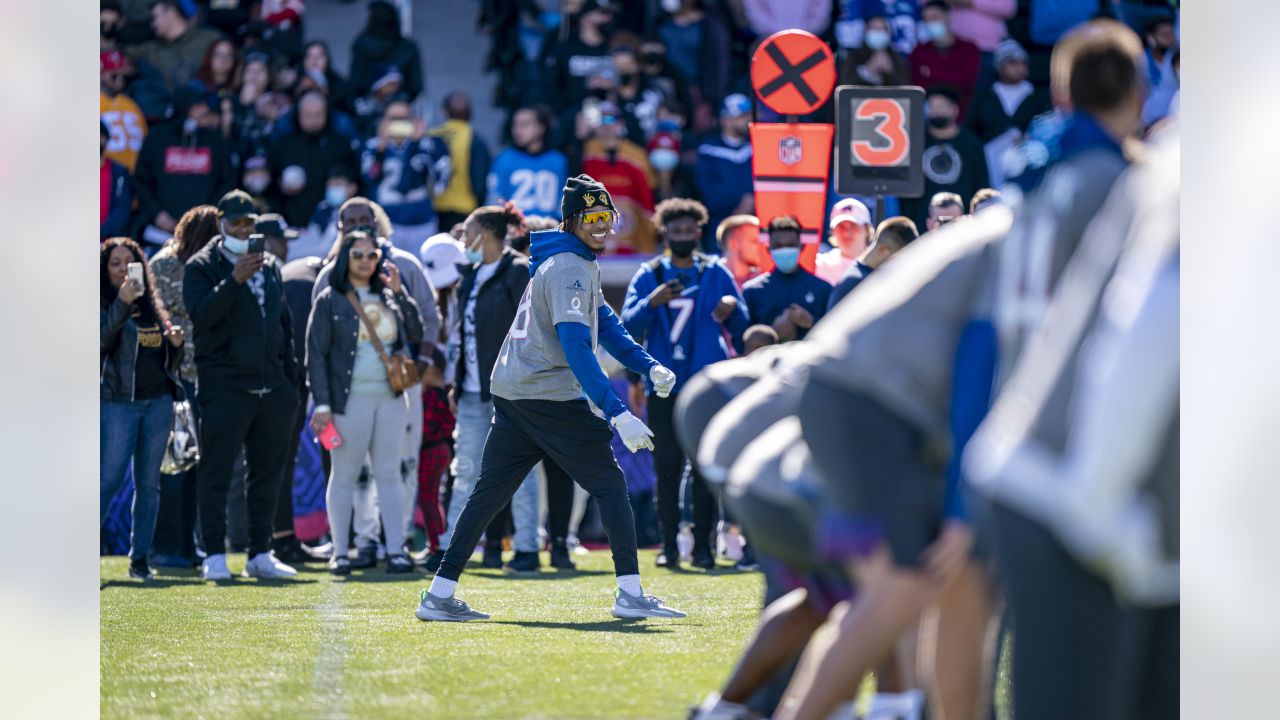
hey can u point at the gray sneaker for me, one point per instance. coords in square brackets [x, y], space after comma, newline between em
[626, 605]
[448, 609]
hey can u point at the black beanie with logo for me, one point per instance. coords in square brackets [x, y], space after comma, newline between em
[584, 193]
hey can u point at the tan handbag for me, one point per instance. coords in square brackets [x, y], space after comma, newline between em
[402, 373]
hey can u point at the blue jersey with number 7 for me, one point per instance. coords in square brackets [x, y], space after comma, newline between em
[683, 335]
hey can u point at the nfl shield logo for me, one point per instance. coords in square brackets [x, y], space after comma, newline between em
[789, 150]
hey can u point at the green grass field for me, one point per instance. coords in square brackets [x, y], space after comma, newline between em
[322, 647]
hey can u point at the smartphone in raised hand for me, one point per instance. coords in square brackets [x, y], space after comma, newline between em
[257, 243]
[135, 272]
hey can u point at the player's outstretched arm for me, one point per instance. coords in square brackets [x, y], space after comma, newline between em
[575, 338]
[614, 337]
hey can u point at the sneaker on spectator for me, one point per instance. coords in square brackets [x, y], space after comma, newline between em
[172, 560]
[214, 567]
[399, 564]
[291, 550]
[748, 561]
[524, 562]
[431, 560]
[560, 557]
[626, 605]
[265, 565]
[139, 569]
[340, 565]
[449, 609]
[492, 555]
[366, 557]
[575, 545]
[702, 558]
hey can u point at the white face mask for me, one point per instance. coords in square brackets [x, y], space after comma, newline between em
[234, 245]
[671, 6]
[936, 30]
[664, 159]
[878, 39]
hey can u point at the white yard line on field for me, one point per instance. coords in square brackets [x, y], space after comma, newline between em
[331, 654]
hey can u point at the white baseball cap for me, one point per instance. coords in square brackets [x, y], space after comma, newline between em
[850, 209]
[440, 256]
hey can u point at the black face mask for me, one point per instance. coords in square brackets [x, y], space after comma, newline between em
[109, 31]
[599, 93]
[628, 78]
[939, 122]
[682, 248]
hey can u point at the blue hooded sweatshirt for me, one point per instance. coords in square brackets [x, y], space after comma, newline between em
[683, 335]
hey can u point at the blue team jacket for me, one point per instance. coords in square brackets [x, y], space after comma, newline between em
[700, 340]
[769, 294]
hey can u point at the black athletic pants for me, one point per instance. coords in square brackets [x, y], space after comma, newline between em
[261, 424]
[1077, 652]
[669, 463]
[524, 432]
[559, 500]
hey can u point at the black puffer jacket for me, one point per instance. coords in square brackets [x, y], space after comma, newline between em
[333, 333]
[119, 350]
[495, 310]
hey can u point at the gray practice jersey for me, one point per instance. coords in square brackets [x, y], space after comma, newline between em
[531, 364]
[897, 342]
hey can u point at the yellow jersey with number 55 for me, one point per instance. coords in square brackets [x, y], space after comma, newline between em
[126, 128]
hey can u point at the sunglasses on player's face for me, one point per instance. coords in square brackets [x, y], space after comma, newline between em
[590, 218]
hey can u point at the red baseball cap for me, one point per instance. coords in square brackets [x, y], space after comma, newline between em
[110, 60]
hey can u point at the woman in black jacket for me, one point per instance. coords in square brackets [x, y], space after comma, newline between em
[348, 377]
[139, 357]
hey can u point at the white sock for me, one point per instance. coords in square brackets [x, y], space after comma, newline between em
[630, 585]
[443, 587]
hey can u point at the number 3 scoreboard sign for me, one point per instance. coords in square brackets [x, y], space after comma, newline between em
[879, 141]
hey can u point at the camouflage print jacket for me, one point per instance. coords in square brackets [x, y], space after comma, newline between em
[168, 270]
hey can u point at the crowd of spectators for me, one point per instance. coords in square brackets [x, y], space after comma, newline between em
[650, 98]
[301, 256]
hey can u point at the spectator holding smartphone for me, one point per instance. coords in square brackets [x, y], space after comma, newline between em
[347, 369]
[247, 382]
[139, 356]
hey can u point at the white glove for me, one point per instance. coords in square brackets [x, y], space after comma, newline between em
[635, 434]
[663, 380]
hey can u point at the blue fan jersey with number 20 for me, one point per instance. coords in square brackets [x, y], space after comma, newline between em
[532, 182]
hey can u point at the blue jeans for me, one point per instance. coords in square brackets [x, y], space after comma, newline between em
[134, 431]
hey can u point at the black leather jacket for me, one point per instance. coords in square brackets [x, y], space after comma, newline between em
[332, 334]
[119, 351]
